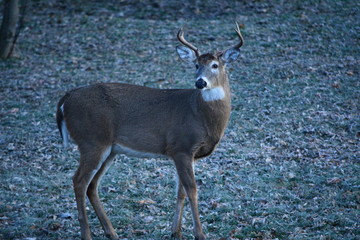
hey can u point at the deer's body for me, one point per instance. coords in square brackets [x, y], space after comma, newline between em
[120, 119]
[182, 124]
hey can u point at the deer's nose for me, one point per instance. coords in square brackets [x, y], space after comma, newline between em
[200, 83]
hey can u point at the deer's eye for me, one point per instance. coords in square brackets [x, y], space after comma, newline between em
[197, 66]
[214, 66]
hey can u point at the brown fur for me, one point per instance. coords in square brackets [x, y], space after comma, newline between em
[122, 109]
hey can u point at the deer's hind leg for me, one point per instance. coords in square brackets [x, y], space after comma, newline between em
[91, 162]
[93, 195]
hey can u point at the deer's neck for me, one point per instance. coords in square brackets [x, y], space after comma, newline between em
[216, 106]
[217, 96]
[219, 93]
[213, 94]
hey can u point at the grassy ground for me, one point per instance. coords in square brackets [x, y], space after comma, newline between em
[288, 165]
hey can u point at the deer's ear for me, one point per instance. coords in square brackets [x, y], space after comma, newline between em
[230, 55]
[186, 53]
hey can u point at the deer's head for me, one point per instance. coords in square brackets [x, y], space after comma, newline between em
[210, 68]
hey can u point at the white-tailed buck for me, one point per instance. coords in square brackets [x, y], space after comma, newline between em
[182, 124]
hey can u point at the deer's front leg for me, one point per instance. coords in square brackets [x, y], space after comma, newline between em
[176, 227]
[184, 167]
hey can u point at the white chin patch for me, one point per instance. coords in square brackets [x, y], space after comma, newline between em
[213, 94]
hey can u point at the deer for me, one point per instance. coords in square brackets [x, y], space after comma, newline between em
[185, 125]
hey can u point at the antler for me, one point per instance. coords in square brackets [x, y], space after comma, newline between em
[237, 46]
[237, 29]
[181, 38]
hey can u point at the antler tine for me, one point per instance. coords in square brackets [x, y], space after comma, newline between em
[237, 29]
[237, 46]
[181, 38]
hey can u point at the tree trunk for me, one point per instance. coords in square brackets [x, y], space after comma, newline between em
[8, 28]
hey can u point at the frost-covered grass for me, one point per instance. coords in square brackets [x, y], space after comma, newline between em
[287, 167]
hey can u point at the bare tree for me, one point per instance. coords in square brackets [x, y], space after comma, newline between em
[8, 33]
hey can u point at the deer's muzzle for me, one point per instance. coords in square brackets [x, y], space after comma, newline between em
[200, 83]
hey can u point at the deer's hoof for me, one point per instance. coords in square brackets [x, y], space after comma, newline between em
[176, 235]
[112, 236]
[200, 237]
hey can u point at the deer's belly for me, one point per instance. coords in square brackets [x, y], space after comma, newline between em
[121, 149]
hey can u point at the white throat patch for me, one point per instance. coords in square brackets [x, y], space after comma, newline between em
[213, 94]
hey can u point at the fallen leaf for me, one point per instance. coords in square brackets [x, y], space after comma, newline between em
[65, 215]
[14, 110]
[350, 73]
[148, 219]
[334, 180]
[291, 175]
[146, 201]
[335, 85]
[55, 226]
